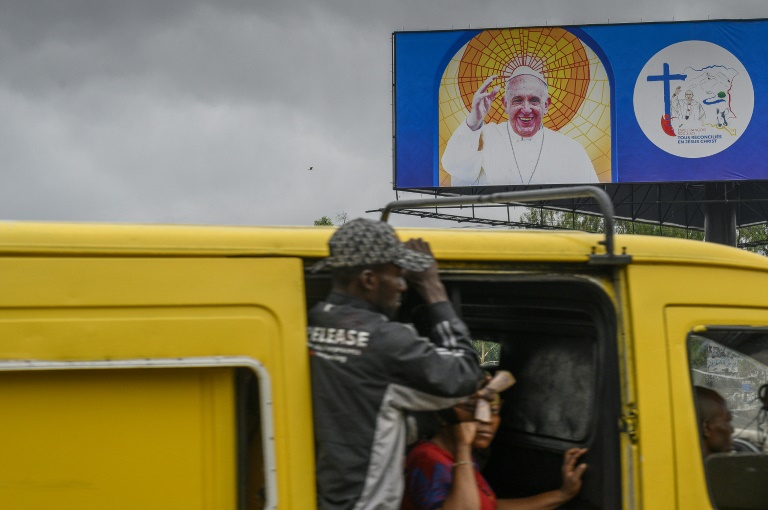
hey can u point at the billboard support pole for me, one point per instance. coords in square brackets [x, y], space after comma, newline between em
[719, 215]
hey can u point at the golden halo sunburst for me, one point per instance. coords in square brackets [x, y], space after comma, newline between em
[554, 52]
[578, 86]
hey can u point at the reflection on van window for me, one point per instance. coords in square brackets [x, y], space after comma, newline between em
[735, 376]
[729, 374]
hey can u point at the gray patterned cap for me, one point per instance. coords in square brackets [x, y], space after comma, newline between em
[363, 242]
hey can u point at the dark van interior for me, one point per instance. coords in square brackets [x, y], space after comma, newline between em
[558, 337]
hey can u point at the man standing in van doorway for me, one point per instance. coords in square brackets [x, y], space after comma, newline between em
[368, 370]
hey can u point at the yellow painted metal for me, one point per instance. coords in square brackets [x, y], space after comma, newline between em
[69, 309]
[311, 242]
[122, 439]
[667, 303]
[630, 436]
[691, 486]
[97, 292]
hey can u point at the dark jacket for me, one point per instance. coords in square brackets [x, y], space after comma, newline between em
[366, 372]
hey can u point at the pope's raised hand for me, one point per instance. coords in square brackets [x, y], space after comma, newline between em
[481, 103]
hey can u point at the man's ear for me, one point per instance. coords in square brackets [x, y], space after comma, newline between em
[705, 431]
[368, 279]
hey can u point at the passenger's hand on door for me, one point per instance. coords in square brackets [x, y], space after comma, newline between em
[572, 472]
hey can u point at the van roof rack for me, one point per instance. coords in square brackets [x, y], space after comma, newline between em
[527, 196]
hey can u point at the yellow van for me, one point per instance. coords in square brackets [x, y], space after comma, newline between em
[159, 367]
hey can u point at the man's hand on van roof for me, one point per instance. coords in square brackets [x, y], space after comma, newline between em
[427, 283]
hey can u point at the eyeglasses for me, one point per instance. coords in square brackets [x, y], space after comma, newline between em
[469, 407]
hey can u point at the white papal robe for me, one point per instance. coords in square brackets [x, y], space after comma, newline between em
[545, 158]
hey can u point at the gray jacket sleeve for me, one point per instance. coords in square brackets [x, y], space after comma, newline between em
[446, 366]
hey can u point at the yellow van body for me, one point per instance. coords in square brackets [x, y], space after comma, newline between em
[123, 350]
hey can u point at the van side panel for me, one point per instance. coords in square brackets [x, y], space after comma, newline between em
[667, 302]
[74, 310]
[681, 320]
[651, 378]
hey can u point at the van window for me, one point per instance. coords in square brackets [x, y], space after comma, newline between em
[557, 336]
[729, 376]
[181, 429]
[488, 352]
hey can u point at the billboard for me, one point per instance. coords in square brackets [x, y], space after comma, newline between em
[629, 103]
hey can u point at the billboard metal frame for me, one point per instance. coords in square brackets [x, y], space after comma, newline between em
[667, 204]
[678, 204]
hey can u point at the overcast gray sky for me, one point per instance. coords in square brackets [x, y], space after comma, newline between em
[212, 112]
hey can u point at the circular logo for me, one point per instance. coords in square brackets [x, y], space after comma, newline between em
[693, 99]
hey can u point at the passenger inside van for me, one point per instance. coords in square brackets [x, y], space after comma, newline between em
[442, 473]
[714, 421]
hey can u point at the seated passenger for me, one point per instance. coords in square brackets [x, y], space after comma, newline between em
[714, 421]
[441, 472]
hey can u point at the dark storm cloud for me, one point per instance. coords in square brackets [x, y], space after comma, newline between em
[227, 54]
[193, 114]
[212, 112]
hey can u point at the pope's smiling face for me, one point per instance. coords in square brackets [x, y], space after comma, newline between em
[527, 101]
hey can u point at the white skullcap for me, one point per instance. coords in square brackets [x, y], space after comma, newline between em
[527, 70]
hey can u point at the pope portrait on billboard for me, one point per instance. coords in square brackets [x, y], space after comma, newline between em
[524, 106]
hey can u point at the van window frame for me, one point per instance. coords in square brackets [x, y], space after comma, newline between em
[605, 477]
[602, 310]
[727, 475]
[236, 362]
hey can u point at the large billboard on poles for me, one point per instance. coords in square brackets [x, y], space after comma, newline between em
[629, 103]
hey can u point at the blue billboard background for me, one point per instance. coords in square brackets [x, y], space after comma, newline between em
[421, 58]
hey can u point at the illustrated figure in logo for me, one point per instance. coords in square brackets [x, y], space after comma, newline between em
[688, 111]
[521, 150]
[693, 99]
[715, 85]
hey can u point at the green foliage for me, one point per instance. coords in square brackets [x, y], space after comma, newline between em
[566, 220]
[338, 220]
[697, 349]
[648, 229]
[755, 238]
[325, 221]
[593, 223]
[488, 351]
